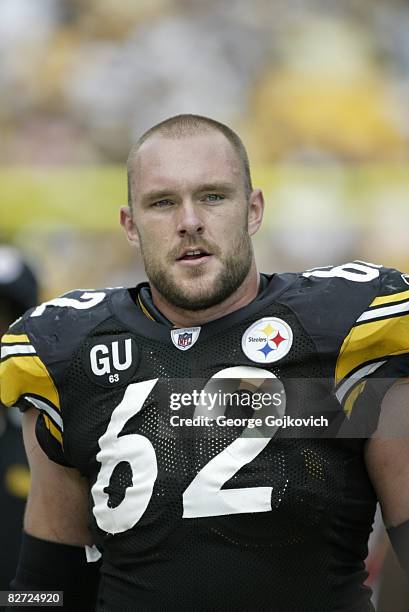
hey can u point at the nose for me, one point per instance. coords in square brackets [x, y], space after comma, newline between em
[189, 222]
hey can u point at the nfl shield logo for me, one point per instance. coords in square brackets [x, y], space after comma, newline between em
[184, 338]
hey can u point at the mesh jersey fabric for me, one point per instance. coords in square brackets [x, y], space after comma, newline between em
[307, 552]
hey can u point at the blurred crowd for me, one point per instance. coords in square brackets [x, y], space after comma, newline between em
[314, 84]
[303, 80]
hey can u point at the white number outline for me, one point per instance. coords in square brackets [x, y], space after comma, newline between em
[204, 496]
[363, 273]
[136, 450]
[91, 299]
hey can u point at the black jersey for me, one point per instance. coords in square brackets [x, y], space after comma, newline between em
[209, 516]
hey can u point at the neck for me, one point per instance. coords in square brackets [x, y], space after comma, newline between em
[190, 318]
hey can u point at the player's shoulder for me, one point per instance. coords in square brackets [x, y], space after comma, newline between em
[38, 347]
[67, 318]
[44, 339]
[354, 276]
[331, 299]
[357, 315]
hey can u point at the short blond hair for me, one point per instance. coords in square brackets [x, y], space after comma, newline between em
[181, 126]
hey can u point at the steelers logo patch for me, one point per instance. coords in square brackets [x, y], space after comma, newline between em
[267, 340]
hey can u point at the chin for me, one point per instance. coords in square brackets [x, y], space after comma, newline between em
[208, 296]
[199, 285]
[197, 291]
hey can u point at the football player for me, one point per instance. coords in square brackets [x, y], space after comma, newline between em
[193, 504]
[18, 292]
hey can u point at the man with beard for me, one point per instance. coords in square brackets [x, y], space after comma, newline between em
[210, 517]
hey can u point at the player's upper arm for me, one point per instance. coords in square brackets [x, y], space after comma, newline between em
[387, 455]
[58, 498]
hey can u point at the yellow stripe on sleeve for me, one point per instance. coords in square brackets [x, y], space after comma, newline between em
[15, 338]
[26, 374]
[371, 341]
[52, 429]
[390, 299]
[352, 397]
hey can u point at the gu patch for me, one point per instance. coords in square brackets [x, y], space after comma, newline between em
[111, 360]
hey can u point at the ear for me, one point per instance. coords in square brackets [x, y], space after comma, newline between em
[256, 209]
[127, 222]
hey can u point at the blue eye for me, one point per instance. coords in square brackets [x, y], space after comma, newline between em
[162, 204]
[213, 197]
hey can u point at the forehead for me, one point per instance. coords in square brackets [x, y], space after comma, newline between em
[185, 162]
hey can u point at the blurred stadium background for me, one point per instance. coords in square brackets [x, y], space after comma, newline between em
[316, 88]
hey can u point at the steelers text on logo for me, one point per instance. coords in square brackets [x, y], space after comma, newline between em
[267, 340]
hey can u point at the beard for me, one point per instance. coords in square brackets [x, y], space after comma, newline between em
[198, 293]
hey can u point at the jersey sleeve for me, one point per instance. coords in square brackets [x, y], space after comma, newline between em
[375, 352]
[25, 381]
[37, 352]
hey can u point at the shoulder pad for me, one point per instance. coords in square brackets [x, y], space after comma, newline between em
[358, 316]
[76, 300]
[39, 345]
[37, 350]
[329, 300]
[376, 344]
[357, 312]
[381, 330]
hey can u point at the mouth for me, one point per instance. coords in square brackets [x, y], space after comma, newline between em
[194, 256]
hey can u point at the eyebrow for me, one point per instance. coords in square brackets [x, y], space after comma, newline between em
[217, 187]
[154, 195]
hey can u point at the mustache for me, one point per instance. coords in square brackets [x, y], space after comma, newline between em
[191, 244]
